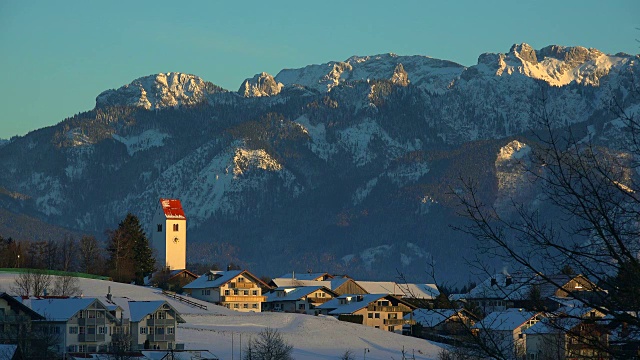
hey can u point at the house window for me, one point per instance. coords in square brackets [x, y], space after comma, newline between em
[73, 330]
[370, 315]
[160, 330]
[377, 315]
[143, 330]
[102, 330]
[246, 292]
[227, 292]
[176, 227]
[240, 279]
[246, 306]
[520, 336]
[170, 330]
[255, 292]
[390, 328]
[81, 314]
[100, 314]
[159, 227]
[150, 330]
[82, 348]
[236, 306]
[255, 306]
[161, 314]
[235, 291]
[82, 330]
[301, 306]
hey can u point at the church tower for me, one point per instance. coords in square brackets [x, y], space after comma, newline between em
[169, 238]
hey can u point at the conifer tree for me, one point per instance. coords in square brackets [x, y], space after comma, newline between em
[131, 257]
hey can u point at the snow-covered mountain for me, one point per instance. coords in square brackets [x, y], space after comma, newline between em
[345, 166]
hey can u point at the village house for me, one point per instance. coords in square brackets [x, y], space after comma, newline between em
[302, 299]
[339, 285]
[442, 321]
[381, 311]
[568, 333]
[421, 295]
[77, 325]
[153, 324]
[504, 291]
[504, 331]
[15, 319]
[235, 289]
[307, 276]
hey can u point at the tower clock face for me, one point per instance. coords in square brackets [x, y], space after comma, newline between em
[175, 239]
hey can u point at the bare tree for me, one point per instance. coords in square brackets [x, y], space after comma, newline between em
[68, 253]
[31, 283]
[66, 285]
[269, 345]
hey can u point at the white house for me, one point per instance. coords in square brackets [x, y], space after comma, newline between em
[504, 331]
[302, 299]
[169, 234]
[79, 325]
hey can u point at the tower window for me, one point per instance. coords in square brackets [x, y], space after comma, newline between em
[175, 227]
[159, 227]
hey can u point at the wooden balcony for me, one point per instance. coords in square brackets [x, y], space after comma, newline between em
[243, 298]
[315, 300]
[400, 308]
[242, 285]
[399, 322]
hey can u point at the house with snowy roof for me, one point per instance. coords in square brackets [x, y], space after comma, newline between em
[504, 331]
[169, 234]
[443, 321]
[504, 291]
[339, 285]
[321, 276]
[238, 290]
[303, 299]
[420, 294]
[15, 319]
[573, 332]
[381, 311]
[79, 325]
[153, 324]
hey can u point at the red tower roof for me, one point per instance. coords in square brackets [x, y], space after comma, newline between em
[172, 209]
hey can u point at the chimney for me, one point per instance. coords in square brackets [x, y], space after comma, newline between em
[508, 281]
[494, 282]
[109, 293]
[229, 267]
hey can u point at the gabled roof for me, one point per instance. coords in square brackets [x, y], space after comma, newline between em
[431, 318]
[172, 209]
[507, 320]
[419, 291]
[306, 276]
[16, 305]
[502, 286]
[296, 293]
[355, 304]
[220, 278]
[61, 309]
[138, 310]
[381, 287]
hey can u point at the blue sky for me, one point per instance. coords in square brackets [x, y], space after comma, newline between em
[57, 56]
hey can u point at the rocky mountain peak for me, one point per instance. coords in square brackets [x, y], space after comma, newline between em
[525, 52]
[159, 91]
[262, 84]
[400, 76]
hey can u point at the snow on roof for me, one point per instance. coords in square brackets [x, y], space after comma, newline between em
[430, 318]
[306, 276]
[509, 319]
[172, 209]
[381, 287]
[356, 303]
[59, 309]
[139, 309]
[218, 278]
[419, 291]
[503, 286]
[332, 284]
[294, 294]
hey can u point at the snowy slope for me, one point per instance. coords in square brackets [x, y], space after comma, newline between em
[313, 337]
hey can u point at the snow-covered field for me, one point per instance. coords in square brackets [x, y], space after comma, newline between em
[312, 337]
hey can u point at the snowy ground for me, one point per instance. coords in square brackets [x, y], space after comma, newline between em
[312, 337]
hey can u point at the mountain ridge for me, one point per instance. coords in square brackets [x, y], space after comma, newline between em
[345, 166]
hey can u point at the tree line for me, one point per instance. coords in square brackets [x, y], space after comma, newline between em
[126, 256]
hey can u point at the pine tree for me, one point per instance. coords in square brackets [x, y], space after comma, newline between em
[131, 257]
